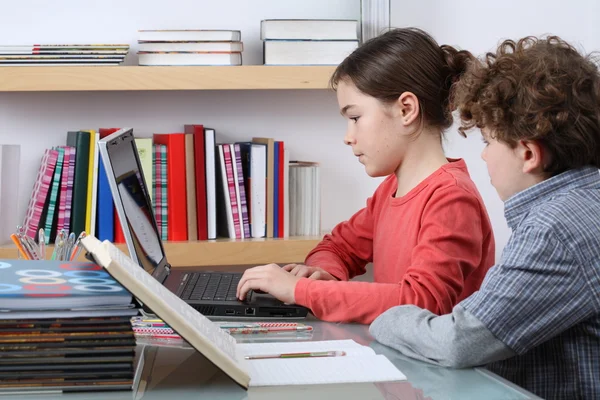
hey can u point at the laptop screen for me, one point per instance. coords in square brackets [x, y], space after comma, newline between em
[132, 199]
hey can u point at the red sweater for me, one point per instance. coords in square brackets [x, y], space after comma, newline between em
[431, 247]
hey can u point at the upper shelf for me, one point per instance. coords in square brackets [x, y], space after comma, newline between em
[113, 78]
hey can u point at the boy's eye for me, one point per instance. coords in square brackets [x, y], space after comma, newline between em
[484, 140]
[355, 119]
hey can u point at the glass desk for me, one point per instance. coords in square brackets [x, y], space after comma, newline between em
[181, 373]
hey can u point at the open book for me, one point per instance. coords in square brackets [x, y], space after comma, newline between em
[361, 364]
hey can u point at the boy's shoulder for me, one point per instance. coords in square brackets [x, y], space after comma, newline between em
[572, 218]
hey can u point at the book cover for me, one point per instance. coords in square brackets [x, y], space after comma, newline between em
[200, 179]
[56, 285]
[37, 201]
[105, 215]
[270, 143]
[190, 183]
[81, 141]
[49, 226]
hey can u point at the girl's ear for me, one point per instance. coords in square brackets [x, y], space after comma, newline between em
[532, 155]
[407, 106]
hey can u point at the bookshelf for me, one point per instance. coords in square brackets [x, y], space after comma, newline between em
[135, 78]
[221, 251]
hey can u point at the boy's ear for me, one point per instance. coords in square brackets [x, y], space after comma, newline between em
[532, 155]
[408, 107]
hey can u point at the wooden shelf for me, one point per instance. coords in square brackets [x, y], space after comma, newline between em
[222, 251]
[117, 78]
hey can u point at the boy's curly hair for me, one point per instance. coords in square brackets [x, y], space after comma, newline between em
[536, 89]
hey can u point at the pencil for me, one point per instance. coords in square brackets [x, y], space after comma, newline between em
[17, 243]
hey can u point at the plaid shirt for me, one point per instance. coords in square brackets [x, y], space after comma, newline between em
[543, 299]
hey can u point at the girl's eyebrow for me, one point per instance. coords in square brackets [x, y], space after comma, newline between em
[344, 110]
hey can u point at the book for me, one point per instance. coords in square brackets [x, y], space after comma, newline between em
[164, 58]
[81, 141]
[270, 182]
[56, 285]
[190, 183]
[307, 52]
[309, 29]
[194, 47]
[199, 174]
[92, 195]
[360, 365]
[176, 189]
[200, 35]
[211, 190]
[49, 224]
[41, 187]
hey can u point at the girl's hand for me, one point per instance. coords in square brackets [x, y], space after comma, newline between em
[270, 279]
[304, 271]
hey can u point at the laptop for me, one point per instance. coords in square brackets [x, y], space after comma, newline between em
[211, 293]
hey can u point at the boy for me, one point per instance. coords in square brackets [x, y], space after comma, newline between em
[536, 318]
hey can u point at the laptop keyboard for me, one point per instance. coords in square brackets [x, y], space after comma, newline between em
[211, 286]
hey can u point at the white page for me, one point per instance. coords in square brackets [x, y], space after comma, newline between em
[360, 364]
[321, 370]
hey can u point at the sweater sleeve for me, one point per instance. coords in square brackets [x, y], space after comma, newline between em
[449, 248]
[349, 248]
[457, 340]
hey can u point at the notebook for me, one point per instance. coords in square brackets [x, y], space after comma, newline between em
[360, 364]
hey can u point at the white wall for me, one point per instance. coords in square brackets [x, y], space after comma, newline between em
[479, 26]
[308, 121]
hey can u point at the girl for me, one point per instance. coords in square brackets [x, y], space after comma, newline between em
[425, 229]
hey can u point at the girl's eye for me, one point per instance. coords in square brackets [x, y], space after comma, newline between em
[355, 119]
[484, 141]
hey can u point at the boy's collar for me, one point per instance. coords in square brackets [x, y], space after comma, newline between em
[517, 207]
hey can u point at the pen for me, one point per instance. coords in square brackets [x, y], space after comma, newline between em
[42, 243]
[158, 336]
[298, 355]
[262, 329]
[149, 325]
[76, 247]
[30, 246]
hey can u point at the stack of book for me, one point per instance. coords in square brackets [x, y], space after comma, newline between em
[63, 54]
[190, 47]
[308, 41]
[64, 326]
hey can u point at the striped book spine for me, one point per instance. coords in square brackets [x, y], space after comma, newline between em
[62, 204]
[231, 189]
[40, 192]
[52, 204]
[164, 183]
[157, 199]
[70, 183]
[242, 190]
